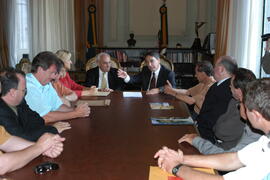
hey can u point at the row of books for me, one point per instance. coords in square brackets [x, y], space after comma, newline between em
[180, 57]
[175, 56]
[120, 55]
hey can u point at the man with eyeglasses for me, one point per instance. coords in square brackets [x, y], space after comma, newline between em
[104, 76]
[15, 115]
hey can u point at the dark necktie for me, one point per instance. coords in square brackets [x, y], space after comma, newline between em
[153, 82]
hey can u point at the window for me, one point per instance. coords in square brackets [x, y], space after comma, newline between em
[266, 28]
[21, 29]
[266, 17]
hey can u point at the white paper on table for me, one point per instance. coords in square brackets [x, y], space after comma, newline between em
[132, 94]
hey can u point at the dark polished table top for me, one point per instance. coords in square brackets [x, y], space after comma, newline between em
[117, 142]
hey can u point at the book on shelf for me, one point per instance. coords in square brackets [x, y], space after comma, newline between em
[180, 57]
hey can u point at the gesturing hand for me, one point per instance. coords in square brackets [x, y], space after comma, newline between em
[187, 138]
[121, 73]
[168, 89]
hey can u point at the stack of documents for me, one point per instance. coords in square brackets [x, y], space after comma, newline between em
[161, 105]
[104, 102]
[171, 120]
[101, 93]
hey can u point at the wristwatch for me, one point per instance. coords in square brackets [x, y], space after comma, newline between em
[161, 89]
[176, 169]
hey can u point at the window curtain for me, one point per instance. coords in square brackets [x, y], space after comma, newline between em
[245, 29]
[7, 33]
[81, 26]
[4, 59]
[52, 26]
[223, 9]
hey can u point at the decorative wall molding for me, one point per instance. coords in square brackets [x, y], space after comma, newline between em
[142, 18]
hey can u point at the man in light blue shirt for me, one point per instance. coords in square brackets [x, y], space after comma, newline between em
[50, 101]
[42, 97]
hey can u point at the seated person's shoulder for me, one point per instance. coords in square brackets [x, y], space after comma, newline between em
[3, 107]
[92, 70]
[145, 69]
[23, 104]
[113, 70]
[4, 135]
[166, 69]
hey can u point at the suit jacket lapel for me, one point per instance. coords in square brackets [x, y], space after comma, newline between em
[96, 78]
[148, 76]
[110, 80]
[160, 75]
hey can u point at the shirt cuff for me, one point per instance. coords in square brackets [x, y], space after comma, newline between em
[127, 79]
[196, 141]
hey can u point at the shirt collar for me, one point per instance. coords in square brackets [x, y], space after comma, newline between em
[221, 81]
[101, 72]
[157, 71]
[36, 82]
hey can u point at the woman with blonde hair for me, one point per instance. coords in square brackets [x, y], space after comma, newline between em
[67, 95]
[80, 90]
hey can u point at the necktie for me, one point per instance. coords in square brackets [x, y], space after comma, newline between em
[103, 81]
[153, 82]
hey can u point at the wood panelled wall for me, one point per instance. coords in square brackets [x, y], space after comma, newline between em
[81, 25]
[4, 56]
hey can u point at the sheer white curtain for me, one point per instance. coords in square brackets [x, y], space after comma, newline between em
[16, 28]
[11, 27]
[52, 23]
[245, 29]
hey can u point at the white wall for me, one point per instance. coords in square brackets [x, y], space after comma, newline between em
[142, 18]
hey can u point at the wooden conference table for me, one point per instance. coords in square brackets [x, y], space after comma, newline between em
[117, 142]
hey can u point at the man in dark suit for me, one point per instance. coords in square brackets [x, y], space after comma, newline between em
[153, 77]
[217, 98]
[15, 115]
[104, 76]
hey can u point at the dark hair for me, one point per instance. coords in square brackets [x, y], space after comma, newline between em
[153, 54]
[45, 60]
[229, 64]
[9, 79]
[242, 77]
[206, 67]
[257, 97]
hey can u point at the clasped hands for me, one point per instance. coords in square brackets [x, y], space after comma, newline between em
[51, 145]
[168, 158]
